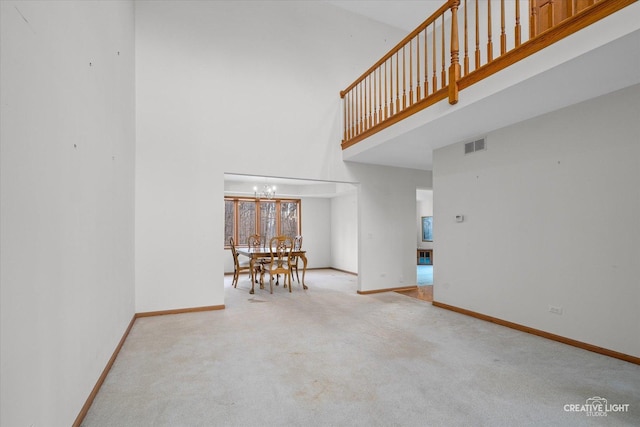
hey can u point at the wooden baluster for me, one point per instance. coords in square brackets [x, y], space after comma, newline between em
[454, 69]
[354, 114]
[434, 80]
[397, 82]
[533, 19]
[375, 98]
[372, 93]
[443, 73]
[518, 35]
[363, 122]
[356, 108]
[489, 41]
[503, 34]
[477, 56]
[386, 103]
[365, 106]
[351, 115]
[370, 102]
[353, 119]
[379, 95]
[348, 121]
[466, 41]
[367, 99]
[372, 97]
[426, 65]
[418, 67]
[391, 86]
[411, 72]
[344, 116]
[404, 78]
[347, 117]
[360, 109]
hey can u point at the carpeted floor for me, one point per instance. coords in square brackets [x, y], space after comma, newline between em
[331, 357]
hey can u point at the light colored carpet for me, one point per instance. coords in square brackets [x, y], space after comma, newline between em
[331, 357]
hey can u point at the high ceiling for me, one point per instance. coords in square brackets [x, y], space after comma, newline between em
[403, 14]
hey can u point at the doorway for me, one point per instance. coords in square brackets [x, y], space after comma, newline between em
[425, 252]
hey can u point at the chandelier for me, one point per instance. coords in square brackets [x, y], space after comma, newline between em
[268, 192]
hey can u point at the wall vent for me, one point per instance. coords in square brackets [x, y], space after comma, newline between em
[469, 148]
[473, 146]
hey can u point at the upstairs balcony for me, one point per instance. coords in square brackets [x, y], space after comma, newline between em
[478, 65]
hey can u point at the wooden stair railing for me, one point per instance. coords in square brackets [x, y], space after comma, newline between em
[415, 74]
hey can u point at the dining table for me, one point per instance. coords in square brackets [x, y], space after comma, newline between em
[256, 253]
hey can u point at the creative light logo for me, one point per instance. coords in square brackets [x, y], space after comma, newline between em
[596, 407]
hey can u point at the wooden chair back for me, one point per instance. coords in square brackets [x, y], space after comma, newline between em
[254, 241]
[280, 263]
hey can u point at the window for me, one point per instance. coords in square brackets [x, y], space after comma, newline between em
[289, 218]
[229, 221]
[246, 221]
[268, 218]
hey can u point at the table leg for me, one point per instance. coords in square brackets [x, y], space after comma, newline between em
[304, 269]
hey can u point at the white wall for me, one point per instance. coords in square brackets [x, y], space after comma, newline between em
[249, 88]
[67, 161]
[387, 217]
[344, 232]
[551, 218]
[316, 231]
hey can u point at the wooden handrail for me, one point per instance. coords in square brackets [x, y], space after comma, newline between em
[380, 96]
[399, 46]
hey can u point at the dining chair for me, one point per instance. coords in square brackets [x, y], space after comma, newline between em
[297, 245]
[256, 241]
[238, 266]
[280, 260]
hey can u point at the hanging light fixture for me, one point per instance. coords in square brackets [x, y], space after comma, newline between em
[268, 192]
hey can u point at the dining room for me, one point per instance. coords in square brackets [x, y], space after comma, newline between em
[322, 213]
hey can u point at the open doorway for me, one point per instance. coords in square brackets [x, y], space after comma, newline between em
[424, 233]
[326, 217]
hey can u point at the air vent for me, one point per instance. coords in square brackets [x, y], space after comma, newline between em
[469, 148]
[473, 146]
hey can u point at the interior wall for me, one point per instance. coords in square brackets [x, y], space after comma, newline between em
[551, 220]
[66, 202]
[344, 232]
[386, 226]
[248, 87]
[316, 231]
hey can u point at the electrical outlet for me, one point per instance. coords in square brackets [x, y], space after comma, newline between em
[555, 310]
